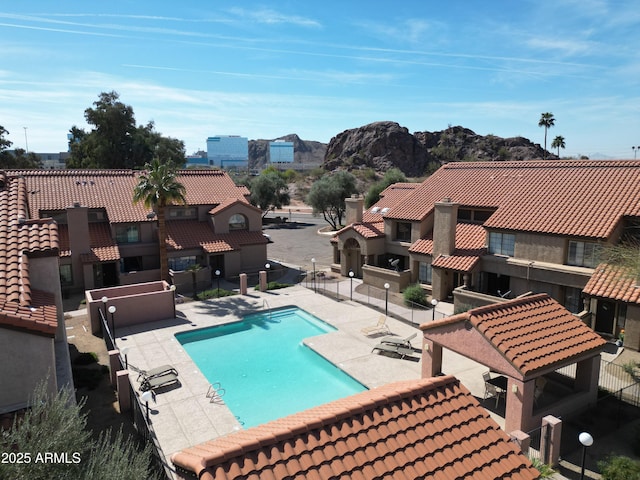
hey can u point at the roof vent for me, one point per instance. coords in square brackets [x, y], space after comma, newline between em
[76, 204]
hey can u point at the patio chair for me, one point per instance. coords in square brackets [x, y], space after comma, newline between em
[491, 390]
[151, 383]
[400, 341]
[486, 376]
[400, 350]
[154, 372]
[381, 326]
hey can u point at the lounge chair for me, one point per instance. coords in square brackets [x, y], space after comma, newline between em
[151, 383]
[400, 350]
[154, 372]
[400, 341]
[381, 326]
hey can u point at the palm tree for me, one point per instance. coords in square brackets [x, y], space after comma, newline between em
[546, 121]
[558, 143]
[158, 188]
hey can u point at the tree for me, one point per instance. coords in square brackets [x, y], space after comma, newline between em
[194, 269]
[55, 424]
[327, 196]
[18, 159]
[625, 255]
[393, 175]
[157, 188]
[547, 121]
[269, 191]
[116, 142]
[558, 143]
[619, 467]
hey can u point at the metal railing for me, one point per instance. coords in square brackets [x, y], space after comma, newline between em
[539, 446]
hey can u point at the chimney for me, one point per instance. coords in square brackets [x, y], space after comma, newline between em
[353, 210]
[444, 227]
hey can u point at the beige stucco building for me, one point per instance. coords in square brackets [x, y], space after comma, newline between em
[475, 231]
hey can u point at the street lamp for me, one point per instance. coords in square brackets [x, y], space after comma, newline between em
[434, 302]
[217, 272]
[104, 304]
[313, 261]
[351, 278]
[172, 288]
[586, 440]
[267, 266]
[386, 299]
[112, 310]
[146, 397]
[124, 352]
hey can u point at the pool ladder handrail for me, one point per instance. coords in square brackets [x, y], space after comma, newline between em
[264, 302]
[215, 392]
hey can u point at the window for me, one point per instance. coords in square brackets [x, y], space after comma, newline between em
[184, 212]
[583, 254]
[238, 222]
[502, 243]
[130, 264]
[66, 275]
[425, 273]
[403, 232]
[127, 234]
[181, 263]
[573, 299]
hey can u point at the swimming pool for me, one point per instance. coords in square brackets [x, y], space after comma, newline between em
[266, 371]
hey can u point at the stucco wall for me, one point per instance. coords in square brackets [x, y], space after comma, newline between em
[541, 248]
[25, 360]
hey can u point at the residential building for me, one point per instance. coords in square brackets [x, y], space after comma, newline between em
[228, 151]
[475, 231]
[281, 151]
[33, 343]
[107, 240]
[423, 428]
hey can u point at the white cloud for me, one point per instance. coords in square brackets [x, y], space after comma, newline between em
[272, 17]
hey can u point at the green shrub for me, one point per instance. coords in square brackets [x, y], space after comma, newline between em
[215, 293]
[545, 470]
[86, 359]
[618, 467]
[415, 294]
[274, 286]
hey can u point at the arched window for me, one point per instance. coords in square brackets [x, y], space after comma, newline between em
[238, 222]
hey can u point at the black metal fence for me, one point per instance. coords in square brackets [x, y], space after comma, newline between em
[539, 446]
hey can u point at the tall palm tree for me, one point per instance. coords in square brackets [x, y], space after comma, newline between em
[158, 187]
[546, 121]
[558, 143]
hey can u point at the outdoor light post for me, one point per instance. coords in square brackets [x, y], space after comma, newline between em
[351, 278]
[313, 261]
[145, 397]
[386, 299]
[267, 266]
[586, 440]
[104, 304]
[112, 310]
[434, 302]
[217, 272]
[124, 352]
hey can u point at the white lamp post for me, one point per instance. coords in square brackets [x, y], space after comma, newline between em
[267, 266]
[218, 279]
[112, 311]
[386, 299]
[124, 352]
[586, 440]
[104, 305]
[351, 279]
[434, 302]
[146, 397]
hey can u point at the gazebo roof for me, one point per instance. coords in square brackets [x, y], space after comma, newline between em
[522, 337]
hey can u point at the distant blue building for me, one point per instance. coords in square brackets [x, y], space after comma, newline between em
[228, 151]
[280, 151]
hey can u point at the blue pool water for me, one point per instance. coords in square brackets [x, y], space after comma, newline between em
[266, 371]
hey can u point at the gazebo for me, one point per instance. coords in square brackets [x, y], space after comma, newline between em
[525, 341]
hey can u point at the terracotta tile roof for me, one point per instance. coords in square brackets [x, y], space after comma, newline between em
[426, 428]
[22, 239]
[557, 197]
[103, 247]
[389, 198]
[613, 282]
[55, 190]
[470, 246]
[532, 333]
[229, 202]
[63, 239]
[189, 234]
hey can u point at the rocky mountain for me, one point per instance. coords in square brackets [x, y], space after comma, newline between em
[383, 145]
[305, 152]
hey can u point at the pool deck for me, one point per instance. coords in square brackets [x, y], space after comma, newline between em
[182, 415]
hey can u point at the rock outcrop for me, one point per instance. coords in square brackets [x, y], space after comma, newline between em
[305, 152]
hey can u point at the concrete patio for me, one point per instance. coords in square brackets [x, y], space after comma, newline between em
[182, 415]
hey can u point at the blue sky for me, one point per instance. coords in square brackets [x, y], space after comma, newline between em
[263, 70]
